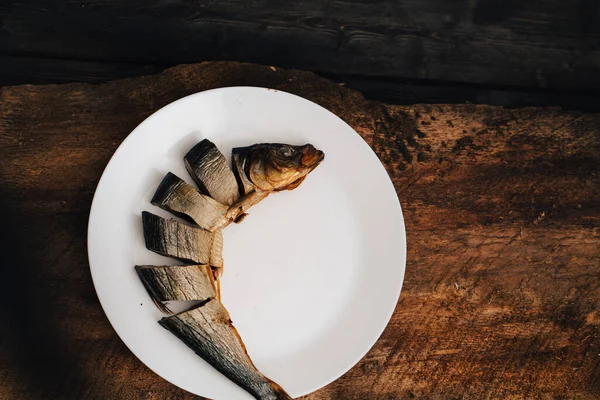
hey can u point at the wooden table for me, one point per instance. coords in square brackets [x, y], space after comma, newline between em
[502, 52]
[502, 292]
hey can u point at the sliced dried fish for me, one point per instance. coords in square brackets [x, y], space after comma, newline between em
[260, 170]
[211, 172]
[176, 196]
[208, 331]
[173, 239]
[177, 282]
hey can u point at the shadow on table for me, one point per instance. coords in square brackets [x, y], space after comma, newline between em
[38, 356]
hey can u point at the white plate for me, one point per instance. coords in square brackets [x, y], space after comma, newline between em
[312, 276]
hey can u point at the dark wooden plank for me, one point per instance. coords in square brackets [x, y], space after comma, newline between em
[502, 208]
[32, 70]
[402, 91]
[539, 43]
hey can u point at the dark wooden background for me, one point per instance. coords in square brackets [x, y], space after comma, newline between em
[502, 292]
[501, 298]
[500, 52]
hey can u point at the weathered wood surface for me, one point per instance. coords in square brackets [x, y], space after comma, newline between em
[35, 70]
[502, 292]
[40, 71]
[538, 43]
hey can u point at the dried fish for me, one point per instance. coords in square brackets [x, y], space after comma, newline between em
[173, 239]
[258, 171]
[270, 167]
[217, 273]
[216, 261]
[178, 282]
[276, 166]
[183, 200]
[216, 250]
[238, 166]
[211, 172]
[208, 331]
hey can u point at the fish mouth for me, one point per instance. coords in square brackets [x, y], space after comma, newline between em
[311, 157]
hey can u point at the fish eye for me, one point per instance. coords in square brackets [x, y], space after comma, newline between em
[287, 151]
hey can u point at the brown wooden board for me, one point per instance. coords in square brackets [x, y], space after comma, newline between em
[535, 43]
[502, 292]
[35, 70]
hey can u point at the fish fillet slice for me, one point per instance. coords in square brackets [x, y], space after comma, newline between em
[173, 239]
[183, 200]
[208, 331]
[211, 172]
[178, 282]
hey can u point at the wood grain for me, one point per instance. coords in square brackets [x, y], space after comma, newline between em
[36, 70]
[502, 292]
[539, 43]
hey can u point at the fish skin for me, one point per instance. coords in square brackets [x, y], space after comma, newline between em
[216, 250]
[210, 170]
[208, 331]
[238, 166]
[177, 282]
[217, 273]
[216, 261]
[183, 200]
[170, 238]
[278, 166]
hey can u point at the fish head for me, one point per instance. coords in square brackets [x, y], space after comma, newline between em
[276, 166]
